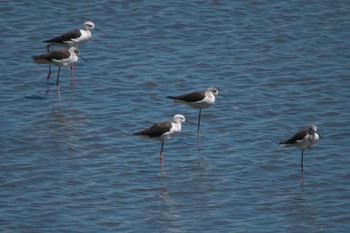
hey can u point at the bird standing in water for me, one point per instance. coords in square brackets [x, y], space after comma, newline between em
[71, 39]
[198, 100]
[303, 139]
[60, 58]
[163, 131]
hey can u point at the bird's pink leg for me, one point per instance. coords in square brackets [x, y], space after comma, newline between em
[57, 83]
[302, 167]
[161, 159]
[58, 92]
[302, 159]
[49, 74]
[72, 74]
[58, 76]
[199, 125]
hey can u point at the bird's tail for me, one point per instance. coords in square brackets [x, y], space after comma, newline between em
[39, 59]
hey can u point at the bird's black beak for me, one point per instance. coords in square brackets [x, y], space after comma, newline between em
[83, 59]
[190, 122]
[98, 30]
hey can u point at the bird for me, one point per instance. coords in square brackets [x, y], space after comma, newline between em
[198, 100]
[71, 39]
[163, 131]
[303, 139]
[60, 58]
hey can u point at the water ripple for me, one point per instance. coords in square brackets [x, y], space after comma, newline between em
[73, 165]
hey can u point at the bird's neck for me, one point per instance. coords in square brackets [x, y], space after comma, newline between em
[177, 124]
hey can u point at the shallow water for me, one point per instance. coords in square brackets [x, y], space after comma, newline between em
[73, 165]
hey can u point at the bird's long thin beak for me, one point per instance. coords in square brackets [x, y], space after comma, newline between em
[83, 59]
[190, 122]
[99, 30]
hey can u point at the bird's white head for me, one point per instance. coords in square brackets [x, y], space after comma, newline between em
[312, 129]
[213, 90]
[89, 25]
[74, 50]
[179, 118]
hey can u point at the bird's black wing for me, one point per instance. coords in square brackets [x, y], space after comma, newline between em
[65, 37]
[57, 54]
[191, 97]
[297, 137]
[156, 130]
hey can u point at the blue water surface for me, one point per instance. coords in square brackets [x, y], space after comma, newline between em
[74, 166]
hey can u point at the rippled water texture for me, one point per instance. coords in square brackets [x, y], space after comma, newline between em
[73, 165]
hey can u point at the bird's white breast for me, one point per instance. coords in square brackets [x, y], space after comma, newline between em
[308, 141]
[175, 129]
[66, 62]
[314, 139]
[208, 100]
[85, 36]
